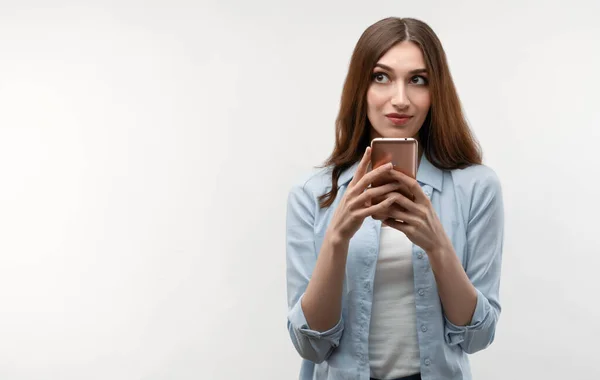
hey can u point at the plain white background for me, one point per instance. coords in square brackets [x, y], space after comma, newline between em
[147, 148]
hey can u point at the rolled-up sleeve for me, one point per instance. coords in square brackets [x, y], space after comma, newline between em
[301, 257]
[485, 236]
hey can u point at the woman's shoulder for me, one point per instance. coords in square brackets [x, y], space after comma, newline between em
[475, 173]
[475, 179]
[314, 181]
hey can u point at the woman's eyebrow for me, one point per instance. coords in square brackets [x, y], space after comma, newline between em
[419, 71]
[415, 71]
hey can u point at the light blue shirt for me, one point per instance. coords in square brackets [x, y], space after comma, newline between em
[469, 204]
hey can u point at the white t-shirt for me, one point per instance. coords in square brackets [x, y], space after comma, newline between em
[393, 345]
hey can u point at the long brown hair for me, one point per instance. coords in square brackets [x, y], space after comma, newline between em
[445, 137]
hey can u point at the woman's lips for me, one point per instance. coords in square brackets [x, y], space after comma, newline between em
[399, 120]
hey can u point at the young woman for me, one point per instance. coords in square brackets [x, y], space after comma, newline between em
[371, 297]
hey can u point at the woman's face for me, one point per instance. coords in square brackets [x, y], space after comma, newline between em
[398, 97]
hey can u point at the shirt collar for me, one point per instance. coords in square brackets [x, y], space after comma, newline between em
[426, 174]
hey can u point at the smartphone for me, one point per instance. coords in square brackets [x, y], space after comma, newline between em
[401, 152]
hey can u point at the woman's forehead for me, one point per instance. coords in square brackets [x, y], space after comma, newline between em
[403, 57]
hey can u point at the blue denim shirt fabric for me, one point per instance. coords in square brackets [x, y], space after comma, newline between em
[470, 206]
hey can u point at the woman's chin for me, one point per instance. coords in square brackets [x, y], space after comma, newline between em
[394, 132]
[397, 133]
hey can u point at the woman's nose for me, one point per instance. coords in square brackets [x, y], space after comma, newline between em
[400, 98]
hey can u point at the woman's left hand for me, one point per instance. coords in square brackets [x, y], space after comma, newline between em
[415, 218]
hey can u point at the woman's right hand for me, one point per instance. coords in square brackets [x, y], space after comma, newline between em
[356, 203]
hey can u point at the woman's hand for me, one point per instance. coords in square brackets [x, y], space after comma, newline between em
[357, 202]
[416, 218]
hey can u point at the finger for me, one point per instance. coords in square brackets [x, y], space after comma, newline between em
[380, 217]
[392, 222]
[378, 199]
[362, 167]
[412, 185]
[400, 226]
[401, 215]
[366, 180]
[404, 202]
[387, 213]
[376, 209]
[375, 192]
[381, 172]
[402, 189]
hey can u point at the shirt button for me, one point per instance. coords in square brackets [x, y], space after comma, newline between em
[421, 292]
[420, 255]
[424, 328]
[427, 362]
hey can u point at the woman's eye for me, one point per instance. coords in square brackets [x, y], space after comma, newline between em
[380, 78]
[419, 80]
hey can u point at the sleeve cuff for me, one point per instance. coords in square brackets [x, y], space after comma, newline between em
[456, 334]
[298, 320]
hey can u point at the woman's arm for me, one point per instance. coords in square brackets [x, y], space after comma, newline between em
[301, 261]
[485, 238]
[457, 293]
[322, 301]
[469, 296]
[315, 282]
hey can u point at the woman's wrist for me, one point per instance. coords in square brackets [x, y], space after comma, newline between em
[439, 251]
[336, 240]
